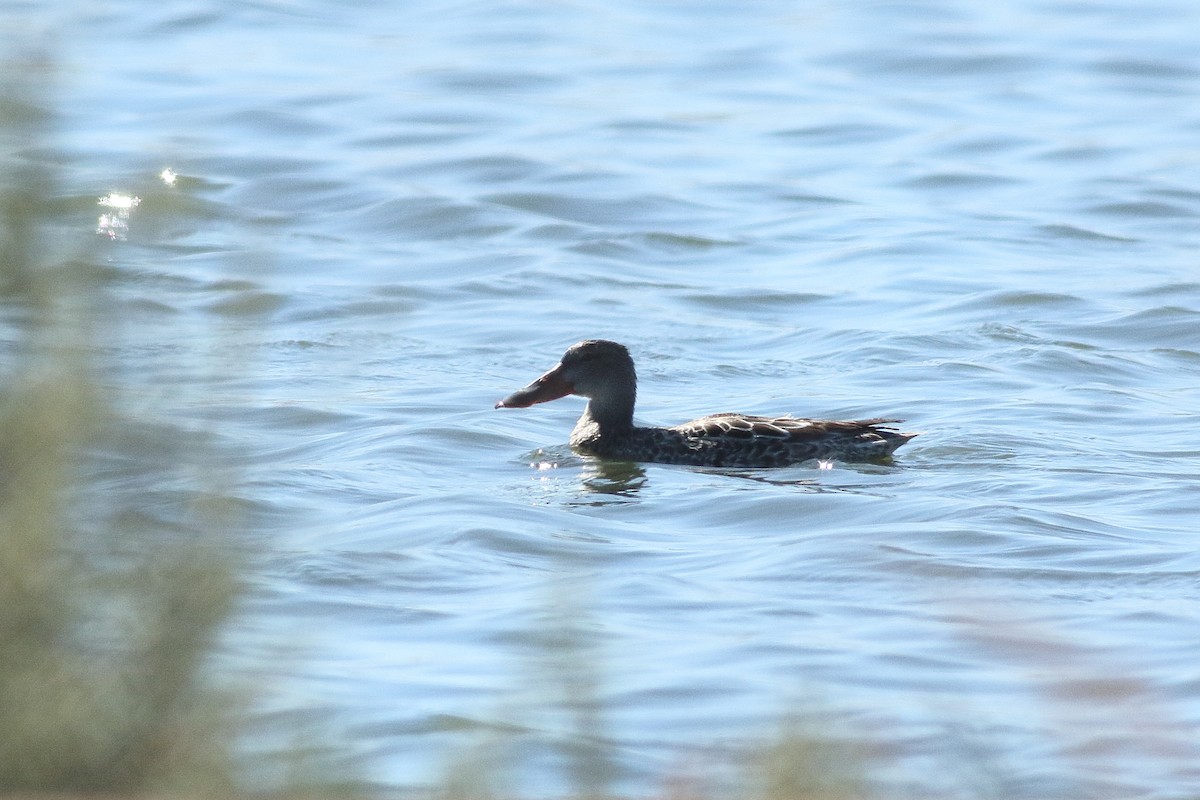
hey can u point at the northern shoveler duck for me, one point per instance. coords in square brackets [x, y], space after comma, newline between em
[602, 371]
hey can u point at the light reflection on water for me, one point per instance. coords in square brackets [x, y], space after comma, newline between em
[115, 223]
[982, 220]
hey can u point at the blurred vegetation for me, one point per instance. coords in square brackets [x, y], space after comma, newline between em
[109, 612]
[558, 725]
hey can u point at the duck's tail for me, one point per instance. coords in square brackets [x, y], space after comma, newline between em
[892, 438]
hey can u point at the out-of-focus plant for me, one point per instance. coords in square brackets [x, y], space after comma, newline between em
[108, 617]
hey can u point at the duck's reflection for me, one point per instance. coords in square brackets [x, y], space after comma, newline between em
[622, 478]
[614, 480]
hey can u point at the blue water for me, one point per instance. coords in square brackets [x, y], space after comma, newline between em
[981, 218]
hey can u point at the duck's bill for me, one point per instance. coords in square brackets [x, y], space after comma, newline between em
[550, 386]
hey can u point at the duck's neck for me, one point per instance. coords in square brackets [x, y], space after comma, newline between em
[612, 414]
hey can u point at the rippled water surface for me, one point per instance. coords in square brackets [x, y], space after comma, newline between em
[380, 218]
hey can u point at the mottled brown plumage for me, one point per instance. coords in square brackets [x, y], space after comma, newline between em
[603, 372]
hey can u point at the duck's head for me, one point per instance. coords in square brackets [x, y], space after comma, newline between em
[595, 368]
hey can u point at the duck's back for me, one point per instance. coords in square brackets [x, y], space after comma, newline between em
[742, 440]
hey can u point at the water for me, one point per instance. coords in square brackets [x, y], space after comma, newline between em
[982, 219]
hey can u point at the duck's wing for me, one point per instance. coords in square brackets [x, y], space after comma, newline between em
[749, 440]
[783, 429]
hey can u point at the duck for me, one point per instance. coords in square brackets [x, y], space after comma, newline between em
[602, 371]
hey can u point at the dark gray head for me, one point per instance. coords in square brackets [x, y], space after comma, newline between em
[597, 369]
